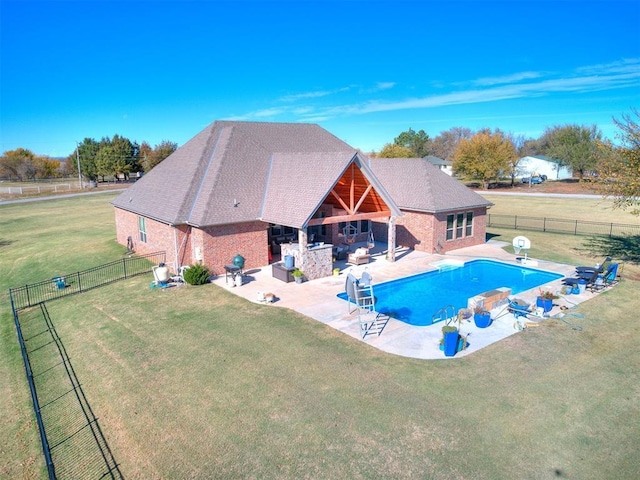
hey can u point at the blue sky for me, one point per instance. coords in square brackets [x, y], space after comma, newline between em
[364, 70]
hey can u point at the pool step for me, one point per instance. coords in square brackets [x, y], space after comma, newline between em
[448, 264]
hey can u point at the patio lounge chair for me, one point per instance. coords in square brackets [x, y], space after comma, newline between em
[589, 278]
[359, 257]
[589, 270]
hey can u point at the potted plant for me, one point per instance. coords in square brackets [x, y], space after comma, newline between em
[481, 317]
[298, 276]
[450, 340]
[545, 300]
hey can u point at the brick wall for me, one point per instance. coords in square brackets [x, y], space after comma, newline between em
[216, 246]
[160, 236]
[221, 243]
[478, 236]
[426, 232]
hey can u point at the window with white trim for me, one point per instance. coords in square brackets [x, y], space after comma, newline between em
[459, 225]
[469, 225]
[142, 227]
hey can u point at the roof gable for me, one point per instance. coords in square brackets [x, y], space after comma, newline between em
[295, 190]
[416, 184]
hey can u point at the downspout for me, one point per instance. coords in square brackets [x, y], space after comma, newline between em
[175, 244]
[175, 249]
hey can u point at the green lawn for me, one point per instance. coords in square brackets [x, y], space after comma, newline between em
[197, 383]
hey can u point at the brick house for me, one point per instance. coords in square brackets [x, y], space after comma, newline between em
[439, 212]
[252, 187]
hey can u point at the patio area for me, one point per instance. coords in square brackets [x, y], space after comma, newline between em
[318, 299]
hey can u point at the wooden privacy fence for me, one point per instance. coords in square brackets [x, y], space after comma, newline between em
[558, 225]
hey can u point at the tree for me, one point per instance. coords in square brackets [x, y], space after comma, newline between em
[523, 148]
[573, 145]
[619, 171]
[108, 157]
[47, 167]
[150, 158]
[418, 142]
[391, 150]
[444, 145]
[484, 157]
[18, 164]
[86, 154]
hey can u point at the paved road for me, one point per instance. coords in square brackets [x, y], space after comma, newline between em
[552, 195]
[55, 197]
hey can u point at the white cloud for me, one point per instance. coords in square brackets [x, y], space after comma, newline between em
[317, 94]
[610, 77]
[269, 112]
[513, 78]
[615, 75]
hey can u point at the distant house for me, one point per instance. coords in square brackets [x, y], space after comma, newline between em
[445, 165]
[541, 165]
[261, 189]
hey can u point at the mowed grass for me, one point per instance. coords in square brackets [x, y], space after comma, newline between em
[194, 382]
[585, 209]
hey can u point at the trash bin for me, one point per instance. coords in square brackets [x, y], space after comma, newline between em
[288, 261]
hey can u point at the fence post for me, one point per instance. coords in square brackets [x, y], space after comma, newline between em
[124, 267]
[544, 224]
[575, 232]
[79, 284]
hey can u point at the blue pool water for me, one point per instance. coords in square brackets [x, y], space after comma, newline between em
[416, 299]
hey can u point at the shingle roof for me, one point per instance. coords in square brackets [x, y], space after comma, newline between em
[416, 184]
[242, 171]
[438, 160]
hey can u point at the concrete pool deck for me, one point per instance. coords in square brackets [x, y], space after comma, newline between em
[318, 299]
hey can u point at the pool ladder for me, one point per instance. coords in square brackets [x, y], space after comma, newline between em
[446, 314]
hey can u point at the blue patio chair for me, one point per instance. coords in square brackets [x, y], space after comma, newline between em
[607, 279]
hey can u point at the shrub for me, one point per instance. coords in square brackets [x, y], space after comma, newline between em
[196, 274]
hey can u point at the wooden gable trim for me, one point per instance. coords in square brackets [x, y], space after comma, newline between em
[352, 204]
[349, 218]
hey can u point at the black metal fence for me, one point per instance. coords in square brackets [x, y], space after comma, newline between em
[64, 285]
[557, 225]
[72, 441]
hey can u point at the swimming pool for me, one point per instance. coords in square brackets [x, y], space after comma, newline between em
[416, 299]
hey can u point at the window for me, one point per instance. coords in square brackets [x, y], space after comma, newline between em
[450, 222]
[143, 229]
[355, 226]
[276, 230]
[459, 225]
